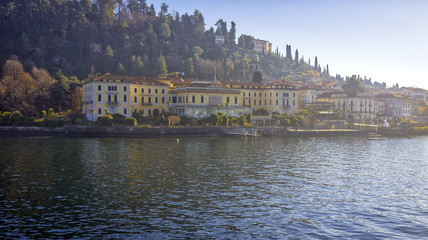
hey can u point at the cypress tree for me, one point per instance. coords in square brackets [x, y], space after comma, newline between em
[296, 56]
[316, 63]
[288, 52]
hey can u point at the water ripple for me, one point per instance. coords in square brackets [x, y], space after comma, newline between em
[214, 188]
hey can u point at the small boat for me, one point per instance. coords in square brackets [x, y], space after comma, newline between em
[241, 132]
[375, 136]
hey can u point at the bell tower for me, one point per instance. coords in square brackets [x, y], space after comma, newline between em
[254, 66]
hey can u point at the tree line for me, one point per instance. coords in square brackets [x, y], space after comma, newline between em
[83, 38]
[31, 93]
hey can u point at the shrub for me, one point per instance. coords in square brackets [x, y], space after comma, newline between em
[75, 118]
[106, 120]
[131, 122]
[118, 118]
[174, 120]
[52, 123]
[138, 116]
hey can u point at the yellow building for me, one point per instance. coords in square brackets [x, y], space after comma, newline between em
[262, 46]
[272, 97]
[123, 95]
[152, 96]
[201, 99]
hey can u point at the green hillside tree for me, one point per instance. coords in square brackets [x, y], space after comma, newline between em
[160, 66]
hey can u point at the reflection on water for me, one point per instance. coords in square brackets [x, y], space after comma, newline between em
[346, 187]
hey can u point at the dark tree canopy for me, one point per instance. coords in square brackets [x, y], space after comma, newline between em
[86, 38]
[353, 85]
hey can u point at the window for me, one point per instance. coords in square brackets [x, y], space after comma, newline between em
[99, 87]
[260, 102]
[115, 98]
[202, 99]
[193, 99]
[112, 88]
[163, 91]
[260, 94]
[276, 102]
[99, 111]
[243, 94]
[156, 91]
[156, 99]
[142, 90]
[227, 99]
[124, 98]
[277, 95]
[135, 90]
[255, 102]
[99, 97]
[150, 90]
[142, 99]
[135, 99]
[124, 88]
[255, 94]
[294, 94]
[163, 99]
[109, 98]
[125, 111]
[150, 111]
[236, 100]
[150, 100]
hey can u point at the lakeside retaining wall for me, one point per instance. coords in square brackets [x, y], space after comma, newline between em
[123, 131]
[118, 131]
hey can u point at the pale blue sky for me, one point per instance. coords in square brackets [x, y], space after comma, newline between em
[386, 40]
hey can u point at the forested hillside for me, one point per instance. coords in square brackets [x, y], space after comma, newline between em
[131, 38]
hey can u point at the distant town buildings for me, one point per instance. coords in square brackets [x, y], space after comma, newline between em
[199, 99]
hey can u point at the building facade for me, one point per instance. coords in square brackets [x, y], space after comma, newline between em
[262, 46]
[414, 93]
[393, 105]
[361, 106]
[152, 96]
[272, 97]
[201, 100]
[123, 95]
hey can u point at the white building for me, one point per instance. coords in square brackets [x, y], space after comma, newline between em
[361, 106]
[219, 39]
[414, 93]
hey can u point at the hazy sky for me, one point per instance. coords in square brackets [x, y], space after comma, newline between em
[386, 40]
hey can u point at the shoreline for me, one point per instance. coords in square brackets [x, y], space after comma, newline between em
[194, 131]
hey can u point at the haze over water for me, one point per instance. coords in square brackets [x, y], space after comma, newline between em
[230, 188]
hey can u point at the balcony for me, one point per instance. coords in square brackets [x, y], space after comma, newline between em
[112, 103]
[285, 106]
[146, 104]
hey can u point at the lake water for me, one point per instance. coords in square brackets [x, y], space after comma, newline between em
[214, 188]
